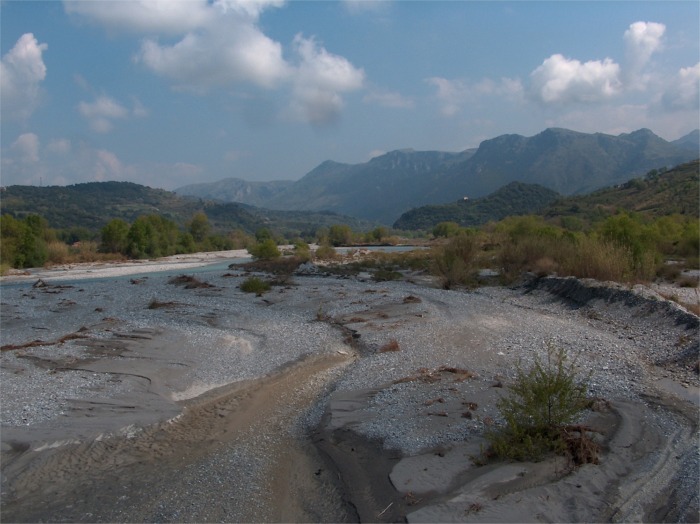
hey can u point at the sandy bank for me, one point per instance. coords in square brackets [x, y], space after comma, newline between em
[115, 269]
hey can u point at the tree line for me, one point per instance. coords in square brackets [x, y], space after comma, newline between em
[30, 242]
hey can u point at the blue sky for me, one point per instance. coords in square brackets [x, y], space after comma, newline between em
[173, 92]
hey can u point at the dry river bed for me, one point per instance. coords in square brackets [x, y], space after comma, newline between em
[134, 398]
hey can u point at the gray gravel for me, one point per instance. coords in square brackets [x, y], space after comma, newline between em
[226, 335]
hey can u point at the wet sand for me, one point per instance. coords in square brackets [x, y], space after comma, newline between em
[292, 444]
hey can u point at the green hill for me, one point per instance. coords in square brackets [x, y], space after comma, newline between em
[92, 205]
[515, 198]
[659, 193]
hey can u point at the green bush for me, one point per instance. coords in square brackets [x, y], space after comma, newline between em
[255, 285]
[325, 252]
[455, 262]
[446, 229]
[265, 250]
[542, 402]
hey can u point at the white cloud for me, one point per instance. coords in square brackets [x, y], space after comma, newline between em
[389, 99]
[26, 147]
[138, 110]
[564, 80]
[22, 69]
[220, 44]
[453, 95]
[684, 91]
[642, 39]
[107, 166]
[26, 162]
[218, 57]
[450, 94]
[101, 113]
[147, 16]
[319, 80]
[356, 7]
[60, 146]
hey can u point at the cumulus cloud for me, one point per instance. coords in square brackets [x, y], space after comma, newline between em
[220, 44]
[22, 70]
[26, 147]
[59, 146]
[319, 80]
[366, 6]
[684, 91]
[453, 95]
[642, 39]
[102, 113]
[388, 99]
[27, 162]
[217, 57]
[160, 16]
[563, 80]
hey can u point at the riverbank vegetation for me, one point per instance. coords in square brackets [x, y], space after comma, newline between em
[639, 242]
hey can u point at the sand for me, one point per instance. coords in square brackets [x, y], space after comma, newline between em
[340, 431]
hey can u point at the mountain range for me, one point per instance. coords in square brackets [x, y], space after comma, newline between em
[382, 189]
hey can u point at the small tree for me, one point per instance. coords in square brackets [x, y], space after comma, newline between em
[455, 262]
[265, 250]
[542, 402]
[199, 226]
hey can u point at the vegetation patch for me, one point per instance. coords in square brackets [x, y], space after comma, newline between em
[157, 304]
[255, 285]
[539, 413]
[276, 266]
[392, 345]
[189, 282]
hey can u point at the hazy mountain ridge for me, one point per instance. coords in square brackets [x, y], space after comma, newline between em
[565, 161]
[236, 190]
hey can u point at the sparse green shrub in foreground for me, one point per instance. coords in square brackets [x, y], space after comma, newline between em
[541, 403]
[255, 285]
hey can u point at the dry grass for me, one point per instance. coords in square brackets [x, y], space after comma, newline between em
[189, 282]
[157, 304]
[392, 345]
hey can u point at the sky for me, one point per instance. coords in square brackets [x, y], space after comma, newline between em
[167, 93]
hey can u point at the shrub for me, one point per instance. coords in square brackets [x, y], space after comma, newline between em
[265, 250]
[57, 252]
[591, 257]
[542, 403]
[325, 252]
[446, 229]
[455, 262]
[255, 285]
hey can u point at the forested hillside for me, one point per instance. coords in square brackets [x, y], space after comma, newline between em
[93, 205]
[659, 193]
[514, 199]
